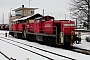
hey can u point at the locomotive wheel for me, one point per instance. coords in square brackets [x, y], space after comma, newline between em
[34, 38]
[49, 40]
[19, 35]
[45, 40]
[67, 41]
[52, 41]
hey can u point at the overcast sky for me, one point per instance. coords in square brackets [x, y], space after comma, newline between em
[57, 8]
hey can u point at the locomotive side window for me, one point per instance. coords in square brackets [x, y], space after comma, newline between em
[21, 21]
[17, 22]
[43, 19]
[52, 19]
[37, 21]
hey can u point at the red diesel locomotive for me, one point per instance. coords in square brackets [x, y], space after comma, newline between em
[45, 29]
[4, 27]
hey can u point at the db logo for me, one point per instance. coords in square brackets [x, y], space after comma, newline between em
[47, 25]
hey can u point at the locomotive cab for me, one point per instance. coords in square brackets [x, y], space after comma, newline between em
[65, 31]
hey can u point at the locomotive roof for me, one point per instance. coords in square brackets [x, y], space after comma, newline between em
[29, 17]
[37, 16]
[15, 20]
[51, 17]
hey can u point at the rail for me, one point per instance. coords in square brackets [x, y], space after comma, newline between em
[7, 56]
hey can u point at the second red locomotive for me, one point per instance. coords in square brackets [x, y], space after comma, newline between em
[45, 29]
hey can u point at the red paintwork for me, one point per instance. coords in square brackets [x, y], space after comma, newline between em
[31, 26]
[6, 26]
[27, 27]
[67, 30]
[2, 27]
[37, 26]
[14, 27]
[47, 18]
[20, 26]
[46, 27]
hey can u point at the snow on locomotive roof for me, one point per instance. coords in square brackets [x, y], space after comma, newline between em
[35, 16]
[15, 20]
[24, 18]
[38, 18]
[31, 17]
[51, 17]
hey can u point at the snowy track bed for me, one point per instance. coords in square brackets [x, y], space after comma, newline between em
[53, 50]
[21, 54]
[18, 54]
[38, 51]
[6, 57]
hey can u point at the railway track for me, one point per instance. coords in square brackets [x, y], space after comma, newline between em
[7, 56]
[76, 49]
[82, 30]
[37, 49]
[83, 51]
[28, 50]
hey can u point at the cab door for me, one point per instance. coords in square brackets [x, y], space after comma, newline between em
[58, 30]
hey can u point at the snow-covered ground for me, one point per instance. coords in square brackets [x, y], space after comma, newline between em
[85, 44]
[2, 57]
[20, 54]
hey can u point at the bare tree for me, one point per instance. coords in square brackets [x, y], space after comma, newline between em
[80, 10]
